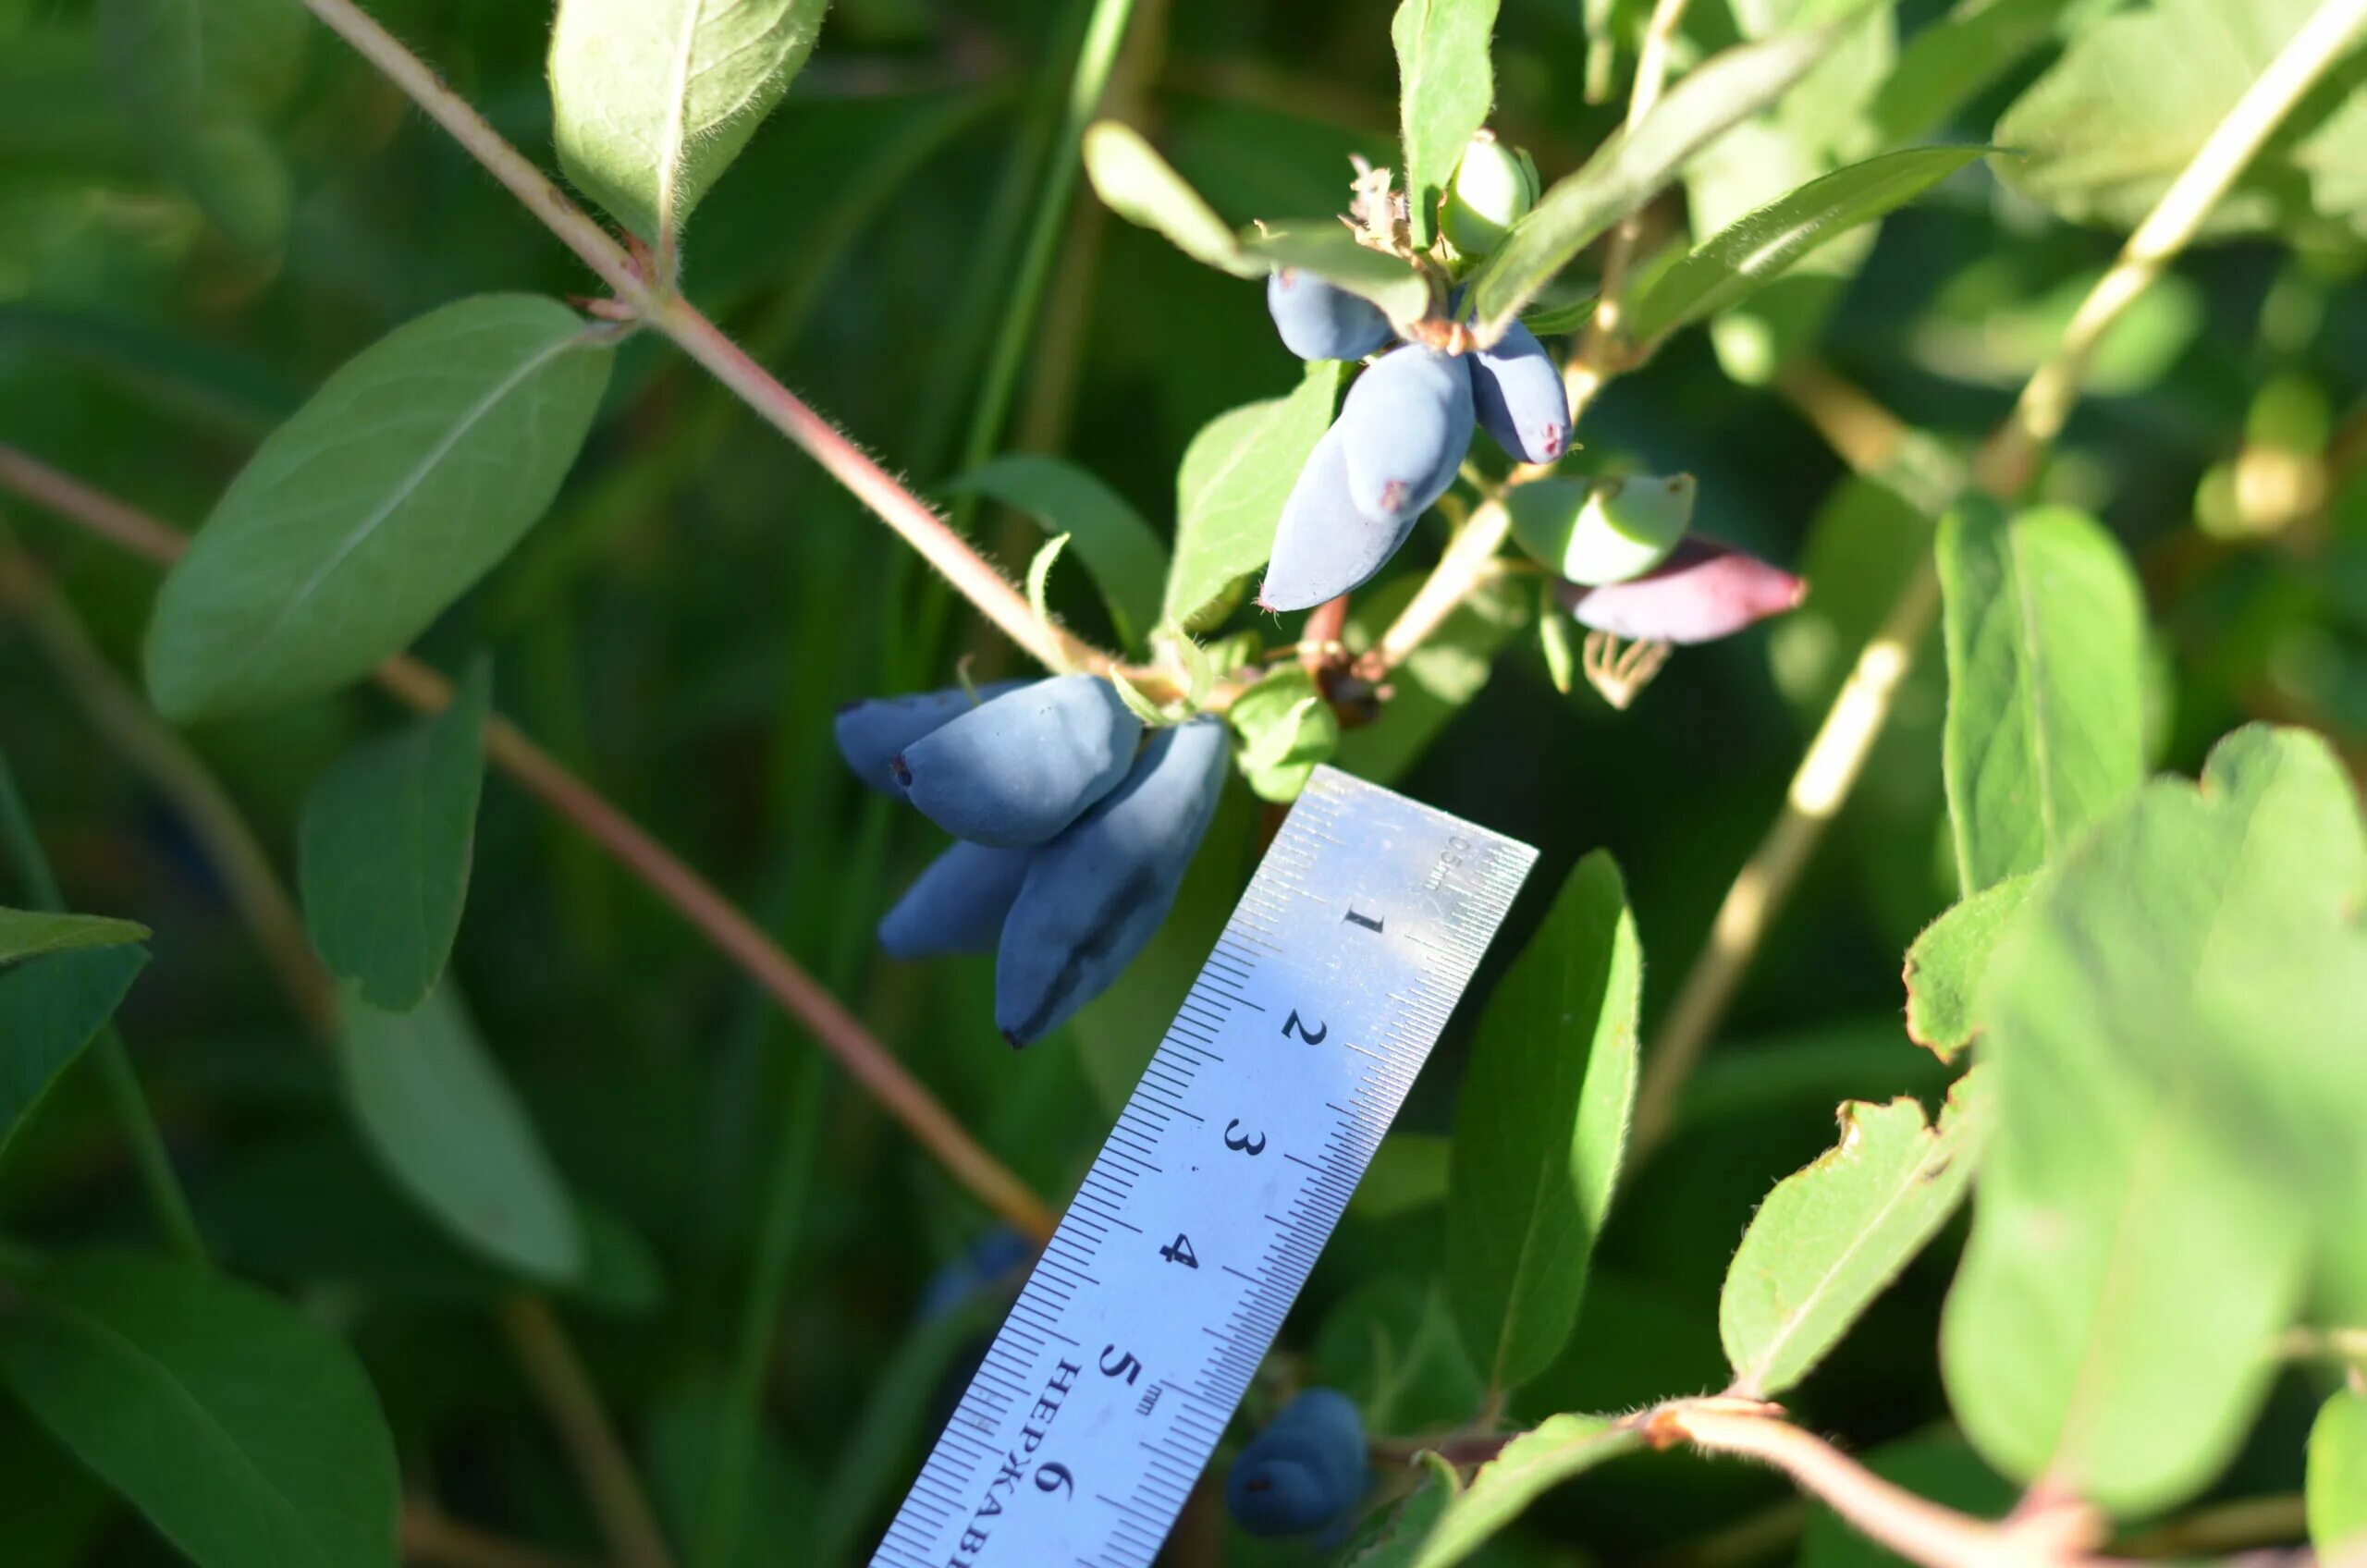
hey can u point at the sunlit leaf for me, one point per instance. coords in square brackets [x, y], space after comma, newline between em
[1229, 490]
[2338, 1475]
[1325, 248]
[1445, 87]
[1945, 965]
[26, 933]
[1134, 182]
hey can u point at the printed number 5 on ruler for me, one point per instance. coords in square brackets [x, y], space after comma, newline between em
[1137, 1333]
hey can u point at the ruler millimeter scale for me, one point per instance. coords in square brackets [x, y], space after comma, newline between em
[1137, 1333]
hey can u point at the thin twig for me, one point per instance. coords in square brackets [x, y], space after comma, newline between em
[975, 578]
[431, 1541]
[837, 1030]
[2012, 454]
[556, 1372]
[1468, 562]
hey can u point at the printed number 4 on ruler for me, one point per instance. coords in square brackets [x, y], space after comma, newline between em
[1136, 1335]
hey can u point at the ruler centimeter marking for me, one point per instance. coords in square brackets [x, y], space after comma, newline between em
[1132, 1343]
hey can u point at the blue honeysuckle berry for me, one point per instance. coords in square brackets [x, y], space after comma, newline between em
[991, 1261]
[1517, 393]
[957, 904]
[1406, 425]
[871, 732]
[1324, 546]
[1320, 321]
[1020, 768]
[1304, 1472]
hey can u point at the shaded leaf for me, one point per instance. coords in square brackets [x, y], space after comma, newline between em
[1445, 87]
[1729, 266]
[1540, 1124]
[2105, 130]
[2336, 1496]
[1629, 168]
[246, 1433]
[26, 933]
[685, 1431]
[1530, 1466]
[1229, 489]
[1391, 1346]
[1947, 63]
[1945, 965]
[1128, 563]
[1138, 185]
[434, 1107]
[1286, 728]
[50, 1007]
[407, 476]
[1830, 1238]
[384, 847]
[56, 1513]
[1407, 1172]
[653, 99]
[2173, 1029]
[1396, 1536]
[2044, 631]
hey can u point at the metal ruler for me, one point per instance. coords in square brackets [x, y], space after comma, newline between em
[1151, 1307]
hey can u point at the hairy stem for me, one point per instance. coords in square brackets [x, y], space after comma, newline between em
[715, 917]
[150, 1161]
[970, 573]
[573, 1404]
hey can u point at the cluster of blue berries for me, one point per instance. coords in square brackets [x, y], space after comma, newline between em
[1402, 435]
[1073, 832]
[1305, 1472]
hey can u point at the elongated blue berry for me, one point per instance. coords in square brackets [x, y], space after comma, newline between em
[1020, 768]
[871, 733]
[1517, 390]
[1324, 545]
[1095, 895]
[1320, 321]
[1703, 590]
[957, 905]
[1407, 424]
[990, 1263]
[1303, 1471]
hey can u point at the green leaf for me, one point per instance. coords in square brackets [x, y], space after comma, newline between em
[384, 847]
[1286, 728]
[1945, 965]
[246, 1433]
[2337, 1476]
[1947, 63]
[30, 933]
[1629, 168]
[434, 1107]
[1437, 679]
[1128, 563]
[1394, 1538]
[1530, 1466]
[57, 1512]
[653, 99]
[1325, 248]
[50, 1009]
[1138, 185]
[1738, 260]
[1392, 1345]
[1939, 1468]
[1540, 1124]
[1229, 489]
[1830, 1238]
[2174, 1028]
[1445, 88]
[2044, 629]
[1407, 1172]
[407, 476]
[2104, 131]
[1039, 580]
[198, 78]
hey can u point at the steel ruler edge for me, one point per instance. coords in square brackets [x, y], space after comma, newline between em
[1134, 1338]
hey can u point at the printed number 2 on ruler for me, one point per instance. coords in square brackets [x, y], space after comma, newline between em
[1138, 1332]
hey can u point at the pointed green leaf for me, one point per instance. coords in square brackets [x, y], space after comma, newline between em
[407, 476]
[2337, 1475]
[653, 99]
[1039, 580]
[26, 933]
[1325, 248]
[1540, 1126]
[1121, 551]
[1445, 88]
[50, 1007]
[1286, 728]
[1830, 1238]
[434, 1107]
[1629, 168]
[1229, 489]
[1731, 264]
[1945, 965]
[1138, 185]
[1530, 1466]
[2173, 1027]
[198, 78]
[246, 1432]
[2045, 629]
[384, 850]
[1396, 1537]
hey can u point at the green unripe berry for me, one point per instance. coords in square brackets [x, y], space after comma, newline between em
[1493, 188]
[1604, 530]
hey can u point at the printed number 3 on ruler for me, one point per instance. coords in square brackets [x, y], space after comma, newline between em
[1138, 1332]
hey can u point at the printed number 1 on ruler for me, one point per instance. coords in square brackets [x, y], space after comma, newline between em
[1136, 1335]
